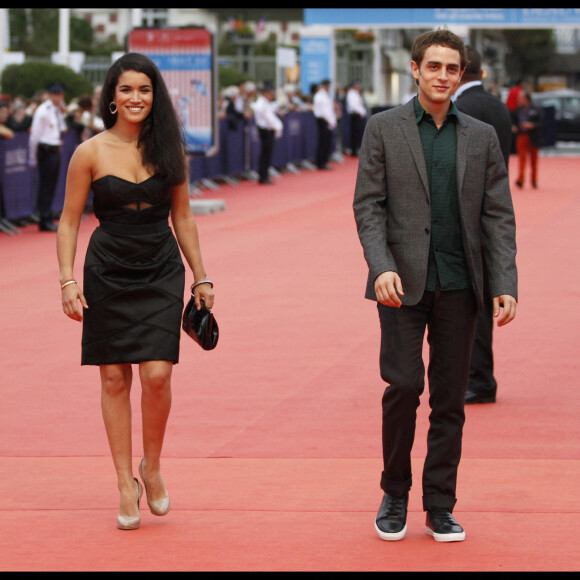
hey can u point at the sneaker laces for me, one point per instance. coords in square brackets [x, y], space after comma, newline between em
[443, 516]
[396, 508]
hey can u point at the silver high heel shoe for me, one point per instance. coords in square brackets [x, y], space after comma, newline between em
[158, 507]
[131, 522]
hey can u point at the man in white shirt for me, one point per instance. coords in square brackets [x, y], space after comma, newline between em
[270, 127]
[326, 121]
[355, 107]
[45, 144]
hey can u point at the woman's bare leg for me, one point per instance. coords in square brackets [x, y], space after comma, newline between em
[155, 406]
[116, 408]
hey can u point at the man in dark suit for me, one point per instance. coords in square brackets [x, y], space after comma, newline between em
[472, 99]
[432, 195]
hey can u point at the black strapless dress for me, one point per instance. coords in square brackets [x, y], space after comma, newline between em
[133, 275]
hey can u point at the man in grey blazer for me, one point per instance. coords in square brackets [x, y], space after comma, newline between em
[432, 198]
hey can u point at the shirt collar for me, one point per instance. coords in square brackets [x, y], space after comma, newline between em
[421, 113]
[466, 86]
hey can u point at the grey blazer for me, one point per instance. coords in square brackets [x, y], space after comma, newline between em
[393, 213]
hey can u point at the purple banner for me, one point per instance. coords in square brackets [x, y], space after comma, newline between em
[239, 152]
[17, 180]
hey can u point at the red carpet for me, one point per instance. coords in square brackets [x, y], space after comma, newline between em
[272, 456]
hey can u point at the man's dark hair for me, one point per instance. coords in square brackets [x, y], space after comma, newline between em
[440, 37]
[473, 68]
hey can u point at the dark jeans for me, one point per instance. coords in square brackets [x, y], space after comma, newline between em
[356, 132]
[48, 159]
[449, 318]
[267, 137]
[324, 143]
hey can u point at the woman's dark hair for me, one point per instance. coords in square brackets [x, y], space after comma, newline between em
[161, 138]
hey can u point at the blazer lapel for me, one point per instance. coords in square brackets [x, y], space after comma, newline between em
[411, 133]
[461, 158]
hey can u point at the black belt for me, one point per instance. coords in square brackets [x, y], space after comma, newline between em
[48, 147]
[134, 229]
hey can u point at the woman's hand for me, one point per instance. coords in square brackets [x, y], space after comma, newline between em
[203, 292]
[71, 295]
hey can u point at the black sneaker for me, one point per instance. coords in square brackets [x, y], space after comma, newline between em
[391, 521]
[442, 526]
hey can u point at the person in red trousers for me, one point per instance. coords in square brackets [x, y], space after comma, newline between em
[528, 128]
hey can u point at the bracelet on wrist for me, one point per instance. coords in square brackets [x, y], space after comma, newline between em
[199, 283]
[67, 283]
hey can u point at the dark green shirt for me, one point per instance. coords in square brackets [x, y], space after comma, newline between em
[447, 262]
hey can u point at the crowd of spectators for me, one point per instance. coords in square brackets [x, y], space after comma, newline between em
[236, 104]
[16, 115]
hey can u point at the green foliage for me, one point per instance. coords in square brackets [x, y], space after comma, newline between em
[82, 36]
[34, 31]
[31, 77]
[228, 76]
[265, 48]
[530, 52]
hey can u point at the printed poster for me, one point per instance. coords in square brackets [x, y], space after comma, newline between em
[186, 59]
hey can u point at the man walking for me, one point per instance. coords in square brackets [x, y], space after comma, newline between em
[432, 195]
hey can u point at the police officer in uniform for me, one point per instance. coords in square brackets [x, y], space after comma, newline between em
[45, 152]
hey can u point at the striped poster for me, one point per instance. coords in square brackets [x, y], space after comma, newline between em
[186, 61]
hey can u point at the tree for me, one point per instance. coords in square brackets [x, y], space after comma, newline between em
[35, 31]
[29, 78]
[530, 52]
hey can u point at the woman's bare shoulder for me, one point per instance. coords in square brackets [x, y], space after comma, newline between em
[93, 144]
[86, 147]
[87, 154]
[90, 151]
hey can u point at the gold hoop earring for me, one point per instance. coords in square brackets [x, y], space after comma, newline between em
[111, 105]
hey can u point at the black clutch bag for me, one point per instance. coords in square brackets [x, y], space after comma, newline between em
[201, 325]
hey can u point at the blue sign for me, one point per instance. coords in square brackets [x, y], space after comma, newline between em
[433, 17]
[315, 61]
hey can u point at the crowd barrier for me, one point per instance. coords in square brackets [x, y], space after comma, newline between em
[239, 148]
[238, 154]
[19, 181]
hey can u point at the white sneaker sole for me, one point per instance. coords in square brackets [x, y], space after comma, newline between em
[391, 537]
[457, 537]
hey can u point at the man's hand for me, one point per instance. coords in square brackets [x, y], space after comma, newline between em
[504, 309]
[388, 288]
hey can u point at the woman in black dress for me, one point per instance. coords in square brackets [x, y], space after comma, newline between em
[134, 276]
